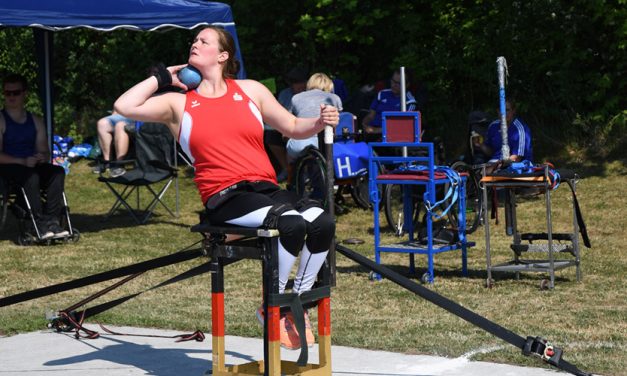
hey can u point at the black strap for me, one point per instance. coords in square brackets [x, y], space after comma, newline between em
[163, 75]
[580, 222]
[296, 306]
[68, 319]
[295, 302]
[92, 311]
[197, 336]
[454, 308]
[272, 218]
[307, 203]
[102, 292]
[158, 262]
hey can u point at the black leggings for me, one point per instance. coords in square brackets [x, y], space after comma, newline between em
[249, 203]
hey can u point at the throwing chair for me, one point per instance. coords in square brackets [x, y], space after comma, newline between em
[229, 244]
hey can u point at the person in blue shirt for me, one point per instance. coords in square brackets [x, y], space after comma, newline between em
[296, 79]
[388, 100]
[25, 158]
[518, 137]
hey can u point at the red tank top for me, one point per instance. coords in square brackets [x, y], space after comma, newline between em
[224, 138]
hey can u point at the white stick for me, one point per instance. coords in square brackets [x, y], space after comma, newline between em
[328, 146]
[403, 91]
[403, 100]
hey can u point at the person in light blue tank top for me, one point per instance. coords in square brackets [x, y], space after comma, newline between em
[112, 135]
[25, 158]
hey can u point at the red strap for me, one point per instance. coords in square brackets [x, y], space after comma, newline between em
[78, 326]
[197, 335]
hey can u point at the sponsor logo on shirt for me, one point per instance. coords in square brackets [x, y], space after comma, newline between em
[195, 103]
[237, 97]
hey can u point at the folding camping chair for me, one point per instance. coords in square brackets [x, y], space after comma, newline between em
[155, 162]
[4, 201]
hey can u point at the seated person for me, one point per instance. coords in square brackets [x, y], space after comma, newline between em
[112, 133]
[307, 104]
[220, 126]
[25, 158]
[296, 80]
[387, 100]
[518, 138]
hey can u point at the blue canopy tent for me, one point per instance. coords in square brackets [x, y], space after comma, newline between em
[47, 16]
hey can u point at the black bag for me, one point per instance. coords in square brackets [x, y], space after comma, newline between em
[443, 232]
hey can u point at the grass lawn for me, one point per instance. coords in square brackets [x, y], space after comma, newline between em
[588, 319]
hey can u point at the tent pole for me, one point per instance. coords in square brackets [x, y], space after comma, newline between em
[43, 43]
[48, 86]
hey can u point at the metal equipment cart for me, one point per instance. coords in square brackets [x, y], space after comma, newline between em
[547, 243]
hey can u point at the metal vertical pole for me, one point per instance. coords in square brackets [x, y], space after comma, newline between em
[48, 88]
[328, 146]
[502, 71]
[176, 178]
[403, 101]
[486, 224]
[403, 91]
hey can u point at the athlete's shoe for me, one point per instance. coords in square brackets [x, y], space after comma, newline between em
[308, 332]
[289, 335]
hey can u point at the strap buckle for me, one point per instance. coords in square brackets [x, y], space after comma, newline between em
[543, 349]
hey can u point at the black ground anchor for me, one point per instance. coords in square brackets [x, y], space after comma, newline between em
[540, 347]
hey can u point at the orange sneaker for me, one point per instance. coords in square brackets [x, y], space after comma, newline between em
[308, 332]
[289, 335]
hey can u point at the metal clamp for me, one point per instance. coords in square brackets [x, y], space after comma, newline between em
[543, 349]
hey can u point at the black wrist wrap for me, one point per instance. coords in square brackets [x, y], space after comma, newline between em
[164, 77]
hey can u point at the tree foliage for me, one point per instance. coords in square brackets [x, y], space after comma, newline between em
[90, 69]
[567, 60]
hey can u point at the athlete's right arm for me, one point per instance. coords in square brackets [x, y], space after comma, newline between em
[138, 103]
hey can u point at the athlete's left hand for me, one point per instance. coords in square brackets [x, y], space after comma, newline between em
[329, 115]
